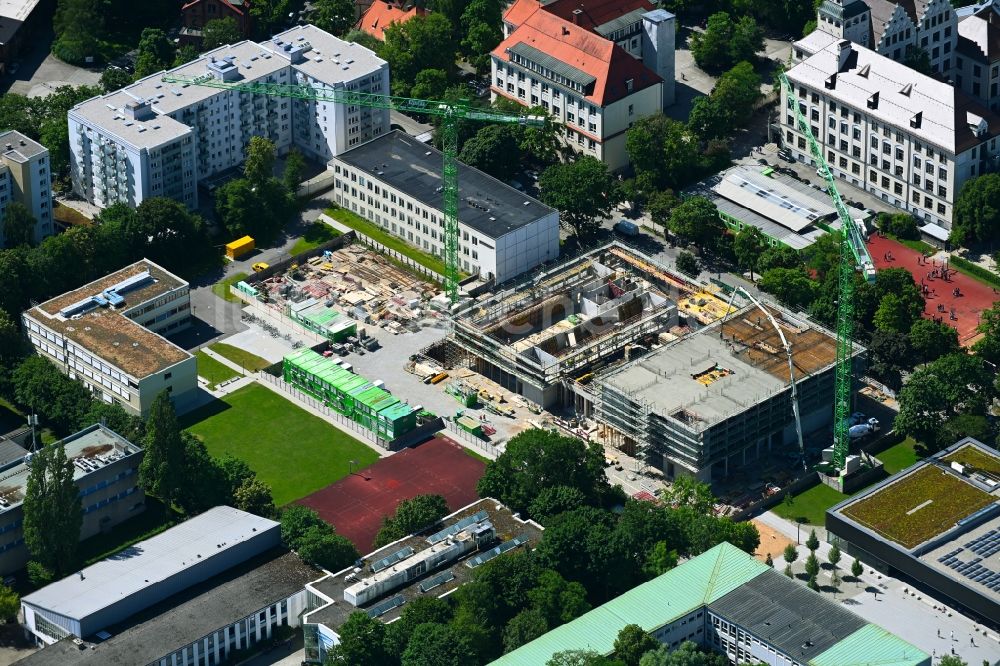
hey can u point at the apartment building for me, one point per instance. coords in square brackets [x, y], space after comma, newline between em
[395, 182]
[105, 469]
[896, 30]
[596, 67]
[156, 139]
[109, 336]
[909, 139]
[25, 177]
[977, 63]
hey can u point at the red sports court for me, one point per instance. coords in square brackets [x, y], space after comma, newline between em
[356, 504]
[942, 303]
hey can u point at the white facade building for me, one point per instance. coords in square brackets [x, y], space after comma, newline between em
[907, 138]
[108, 335]
[395, 182]
[154, 139]
[25, 176]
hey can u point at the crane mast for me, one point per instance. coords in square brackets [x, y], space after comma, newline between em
[449, 112]
[853, 256]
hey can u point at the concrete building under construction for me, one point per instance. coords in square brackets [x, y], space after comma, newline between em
[541, 336]
[720, 399]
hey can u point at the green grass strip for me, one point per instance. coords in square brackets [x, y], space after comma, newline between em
[317, 234]
[974, 271]
[212, 371]
[244, 359]
[379, 235]
[221, 288]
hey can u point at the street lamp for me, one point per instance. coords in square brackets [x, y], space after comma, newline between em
[350, 466]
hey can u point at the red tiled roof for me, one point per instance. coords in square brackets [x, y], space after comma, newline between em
[238, 10]
[573, 45]
[520, 10]
[594, 13]
[382, 14]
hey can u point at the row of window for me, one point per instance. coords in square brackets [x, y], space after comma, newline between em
[110, 500]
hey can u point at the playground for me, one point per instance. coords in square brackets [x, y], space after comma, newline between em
[959, 309]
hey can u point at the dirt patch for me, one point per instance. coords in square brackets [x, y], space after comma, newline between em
[771, 542]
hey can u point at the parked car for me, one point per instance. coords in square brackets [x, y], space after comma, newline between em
[260, 266]
[626, 227]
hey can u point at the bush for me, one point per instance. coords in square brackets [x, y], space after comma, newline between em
[687, 263]
[976, 271]
[901, 225]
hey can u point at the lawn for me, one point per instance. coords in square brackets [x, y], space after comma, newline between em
[291, 450]
[244, 359]
[919, 506]
[899, 457]
[221, 288]
[970, 455]
[376, 233]
[918, 245]
[317, 234]
[810, 505]
[213, 371]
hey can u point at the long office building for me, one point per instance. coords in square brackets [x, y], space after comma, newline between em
[105, 469]
[395, 182]
[25, 177]
[727, 601]
[907, 138]
[157, 139]
[108, 335]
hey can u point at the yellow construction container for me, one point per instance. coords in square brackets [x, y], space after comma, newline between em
[239, 247]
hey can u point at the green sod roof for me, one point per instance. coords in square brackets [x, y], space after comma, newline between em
[871, 644]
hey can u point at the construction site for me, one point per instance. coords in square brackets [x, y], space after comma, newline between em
[545, 338]
[729, 406]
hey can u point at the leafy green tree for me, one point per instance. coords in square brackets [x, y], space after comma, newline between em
[894, 314]
[778, 256]
[813, 584]
[321, 546]
[918, 59]
[976, 216]
[789, 285]
[857, 569]
[977, 426]
[12, 342]
[553, 500]
[164, 231]
[662, 151]
[78, 25]
[334, 16]
[889, 354]
[580, 545]
[536, 459]
[812, 565]
[660, 205]
[738, 92]
[161, 472]
[155, 53]
[900, 225]
[833, 557]
[361, 642]
[687, 263]
[205, 484]
[931, 340]
[660, 560]
[437, 645]
[185, 54]
[748, 245]
[421, 610]
[295, 165]
[696, 220]
[523, 628]
[790, 555]
[271, 16]
[114, 78]
[952, 660]
[558, 600]
[480, 24]
[52, 511]
[686, 491]
[726, 42]
[494, 149]
[688, 654]
[812, 543]
[254, 496]
[362, 38]
[430, 84]
[632, 642]
[219, 32]
[423, 42]
[40, 388]
[581, 658]
[10, 604]
[258, 168]
[412, 516]
[583, 191]
[988, 346]
[295, 521]
[17, 225]
[709, 119]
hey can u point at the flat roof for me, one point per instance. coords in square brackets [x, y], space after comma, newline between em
[189, 616]
[789, 207]
[485, 204]
[89, 450]
[17, 9]
[108, 333]
[331, 59]
[712, 378]
[150, 562]
[21, 148]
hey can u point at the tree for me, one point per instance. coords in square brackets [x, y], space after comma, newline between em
[155, 53]
[334, 16]
[919, 60]
[748, 245]
[480, 24]
[254, 496]
[696, 220]
[725, 43]
[900, 225]
[437, 645]
[294, 166]
[52, 511]
[271, 16]
[423, 42]
[769, 561]
[114, 78]
[523, 628]
[660, 560]
[161, 472]
[931, 340]
[205, 484]
[952, 660]
[362, 38]
[412, 516]
[812, 543]
[894, 314]
[813, 584]
[833, 557]
[430, 84]
[660, 206]
[662, 151]
[583, 192]
[976, 216]
[258, 168]
[418, 611]
[361, 641]
[709, 119]
[812, 565]
[790, 555]
[295, 521]
[632, 642]
[219, 32]
[553, 500]
[18, 225]
[789, 285]
[12, 342]
[185, 54]
[493, 149]
[166, 232]
[40, 388]
[856, 570]
[737, 92]
[10, 604]
[688, 263]
[321, 546]
[536, 459]
[79, 25]
[988, 346]
[558, 600]
[581, 658]
[778, 256]
[687, 654]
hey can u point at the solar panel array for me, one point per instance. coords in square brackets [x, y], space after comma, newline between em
[483, 558]
[437, 580]
[775, 198]
[986, 545]
[383, 607]
[973, 570]
[392, 559]
[457, 527]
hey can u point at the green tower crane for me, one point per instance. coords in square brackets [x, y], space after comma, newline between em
[853, 256]
[449, 112]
